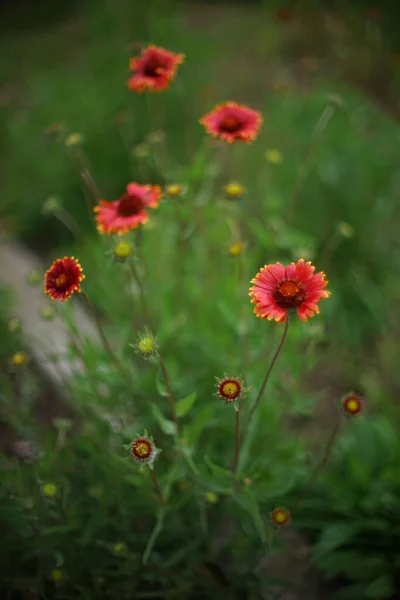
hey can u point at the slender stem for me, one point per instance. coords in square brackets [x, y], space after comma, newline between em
[321, 465]
[171, 398]
[147, 319]
[103, 337]
[69, 222]
[136, 278]
[187, 120]
[266, 378]
[237, 441]
[157, 486]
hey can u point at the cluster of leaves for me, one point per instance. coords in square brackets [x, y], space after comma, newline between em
[353, 516]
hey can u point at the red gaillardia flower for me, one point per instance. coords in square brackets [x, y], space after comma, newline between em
[230, 389]
[144, 450]
[352, 405]
[280, 517]
[154, 69]
[63, 278]
[278, 289]
[129, 211]
[232, 122]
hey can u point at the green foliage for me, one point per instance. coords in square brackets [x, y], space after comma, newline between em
[194, 525]
[354, 514]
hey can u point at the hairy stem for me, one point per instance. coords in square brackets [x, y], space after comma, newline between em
[266, 378]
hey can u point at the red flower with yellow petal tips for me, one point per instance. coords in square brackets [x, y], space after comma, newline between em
[154, 69]
[280, 517]
[352, 405]
[230, 389]
[278, 289]
[233, 122]
[129, 211]
[63, 278]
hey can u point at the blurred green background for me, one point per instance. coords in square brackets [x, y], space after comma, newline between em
[326, 77]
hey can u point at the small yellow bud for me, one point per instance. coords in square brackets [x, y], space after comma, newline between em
[174, 190]
[75, 139]
[18, 359]
[122, 250]
[49, 490]
[345, 230]
[57, 575]
[236, 249]
[146, 345]
[141, 151]
[211, 497]
[273, 156]
[234, 190]
[119, 548]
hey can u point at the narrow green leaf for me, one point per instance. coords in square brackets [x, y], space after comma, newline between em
[250, 505]
[182, 407]
[216, 470]
[161, 389]
[168, 427]
[154, 535]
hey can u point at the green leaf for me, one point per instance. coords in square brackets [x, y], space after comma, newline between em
[381, 588]
[334, 536]
[161, 389]
[154, 534]
[216, 470]
[193, 430]
[184, 406]
[166, 426]
[250, 505]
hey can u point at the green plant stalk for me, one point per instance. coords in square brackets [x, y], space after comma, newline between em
[321, 465]
[237, 441]
[69, 222]
[171, 398]
[106, 343]
[148, 322]
[266, 378]
[157, 486]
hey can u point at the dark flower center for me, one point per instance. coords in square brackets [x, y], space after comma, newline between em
[230, 389]
[289, 294]
[230, 124]
[130, 206]
[152, 67]
[64, 281]
[141, 449]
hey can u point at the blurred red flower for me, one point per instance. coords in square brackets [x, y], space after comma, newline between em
[154, 69]
[129, 211]
[232, 122]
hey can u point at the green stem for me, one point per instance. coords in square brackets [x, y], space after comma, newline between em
[237, 441]
[320, 466]
[171, 398]
[266, 378]
[148, 322]
[137, 280]
[157, 486]
[103, 337]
